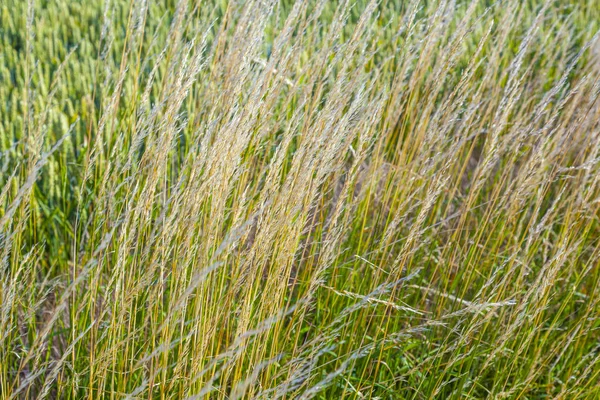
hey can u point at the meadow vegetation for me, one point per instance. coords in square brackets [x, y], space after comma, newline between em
[279, 199]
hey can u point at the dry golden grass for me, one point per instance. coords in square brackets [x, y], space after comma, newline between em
[299, 199]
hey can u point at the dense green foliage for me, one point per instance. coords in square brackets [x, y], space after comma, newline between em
[299, 199]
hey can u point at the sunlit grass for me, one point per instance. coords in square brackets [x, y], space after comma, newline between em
[299, 199]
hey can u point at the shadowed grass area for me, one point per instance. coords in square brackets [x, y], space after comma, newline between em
[299, 199]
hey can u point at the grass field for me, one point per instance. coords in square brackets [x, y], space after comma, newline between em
[280, 199]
